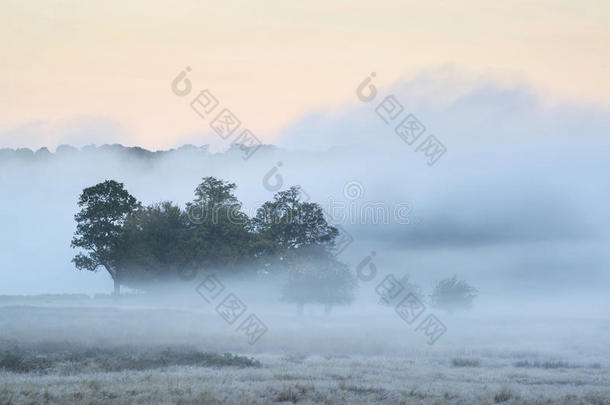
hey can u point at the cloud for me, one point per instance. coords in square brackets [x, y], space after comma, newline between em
[515, 170]
[456, 111]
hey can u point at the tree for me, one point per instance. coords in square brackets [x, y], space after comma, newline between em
[290, 224]
[104, 208]
[155, 246]
[451, 294]
[316, 276]
[295, 237]
[220, 231]
[408, 287]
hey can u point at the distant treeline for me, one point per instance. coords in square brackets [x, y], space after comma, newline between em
[43, 154]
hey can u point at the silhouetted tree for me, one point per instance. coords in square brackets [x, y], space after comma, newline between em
[104, 208]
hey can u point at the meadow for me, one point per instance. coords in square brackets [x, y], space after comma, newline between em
[105, 352]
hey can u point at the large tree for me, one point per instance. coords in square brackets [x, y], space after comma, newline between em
[104, 208]
[288, 223]
[220, 231]
[155, 246]
[297, 240]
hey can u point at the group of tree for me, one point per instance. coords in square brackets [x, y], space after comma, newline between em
[449, 294]
[146, 246]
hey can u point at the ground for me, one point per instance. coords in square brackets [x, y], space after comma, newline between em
[107, 354]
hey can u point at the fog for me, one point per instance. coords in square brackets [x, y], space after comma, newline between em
[517, 207]
[517, 203]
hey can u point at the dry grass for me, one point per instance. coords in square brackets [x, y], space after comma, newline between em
[177, 361]
[371, 380]
[548, 364]
[70, 358]
[505, 394]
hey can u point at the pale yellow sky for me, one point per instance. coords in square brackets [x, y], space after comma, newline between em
[272, 62]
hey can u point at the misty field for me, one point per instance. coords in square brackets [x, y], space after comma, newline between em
[108, 353]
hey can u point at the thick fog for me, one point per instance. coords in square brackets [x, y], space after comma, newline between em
[517, 205]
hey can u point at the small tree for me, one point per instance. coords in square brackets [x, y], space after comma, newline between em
[99, 223]
[408, 287]
[451, 294]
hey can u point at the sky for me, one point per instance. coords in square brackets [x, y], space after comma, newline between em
[516, 91]
[100, 72]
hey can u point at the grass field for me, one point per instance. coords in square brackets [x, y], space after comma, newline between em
[66, 354]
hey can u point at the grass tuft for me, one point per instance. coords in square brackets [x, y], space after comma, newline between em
[553, 364]
[505, 394]
[456, 362]
[293, 394]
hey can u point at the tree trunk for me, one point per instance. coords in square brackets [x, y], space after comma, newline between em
[115, 278]
[117, 287]
[300, 308]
